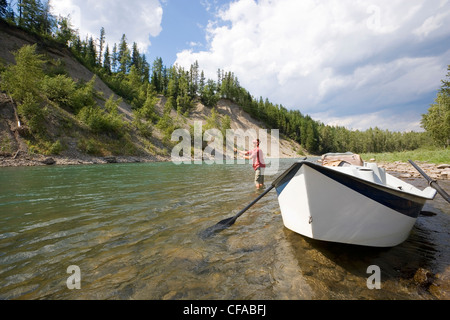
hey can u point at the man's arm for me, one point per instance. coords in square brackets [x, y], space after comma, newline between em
[246, 154]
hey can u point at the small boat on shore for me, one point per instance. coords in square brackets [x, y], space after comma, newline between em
[355, 203]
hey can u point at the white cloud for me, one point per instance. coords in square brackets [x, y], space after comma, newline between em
[137, 19]
[384, 120]
[337, 55]
[431, 24]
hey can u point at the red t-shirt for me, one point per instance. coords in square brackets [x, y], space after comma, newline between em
[258, 158]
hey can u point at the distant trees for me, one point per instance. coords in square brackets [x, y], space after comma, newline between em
[35, 16]
[437, 120]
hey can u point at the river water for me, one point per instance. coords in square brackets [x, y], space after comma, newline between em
[133, 232]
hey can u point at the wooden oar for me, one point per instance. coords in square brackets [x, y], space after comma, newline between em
[431, 182]
[224, 224]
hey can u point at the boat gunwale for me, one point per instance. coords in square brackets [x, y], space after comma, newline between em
[396, 192]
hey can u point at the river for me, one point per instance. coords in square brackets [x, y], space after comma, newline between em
[132, 232]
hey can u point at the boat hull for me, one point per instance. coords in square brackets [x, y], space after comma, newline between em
[325, 204]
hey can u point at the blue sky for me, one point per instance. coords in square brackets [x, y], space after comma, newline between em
[183, 26]
[353, 63]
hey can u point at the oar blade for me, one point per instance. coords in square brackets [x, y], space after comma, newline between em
[222, 225]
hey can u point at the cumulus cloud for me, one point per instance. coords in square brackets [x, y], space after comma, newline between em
[334, 57]
[383, 119]
[137, 19]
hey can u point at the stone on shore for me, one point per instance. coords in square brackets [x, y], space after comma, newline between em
[49, 161]
[110, 159]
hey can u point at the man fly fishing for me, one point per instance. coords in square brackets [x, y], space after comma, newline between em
[258, 162]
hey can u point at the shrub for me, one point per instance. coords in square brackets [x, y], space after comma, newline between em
[83, 96]
[25, 76]
[60, 89]
[100, 121]
[32, 113]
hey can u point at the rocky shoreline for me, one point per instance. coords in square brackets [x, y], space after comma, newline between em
[407, 171]
[40, 160]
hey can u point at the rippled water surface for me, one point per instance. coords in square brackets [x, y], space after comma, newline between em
[133, 230]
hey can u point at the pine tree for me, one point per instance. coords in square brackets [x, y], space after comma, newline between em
[107, 60]
[193, 83]
[91, 53]
[202, 82]
[10, 15]
[3, 8]
[114, 59]
[157, 75]
[101, 45]
[208, 95]
[184, 100]
[35, 16]
[136, 59]
[145, 70]
[64, 33]
[124, 56]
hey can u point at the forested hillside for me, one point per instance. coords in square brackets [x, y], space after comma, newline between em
[138, 82]
[51, 104]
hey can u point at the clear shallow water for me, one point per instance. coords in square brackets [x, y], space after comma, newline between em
[133, 230]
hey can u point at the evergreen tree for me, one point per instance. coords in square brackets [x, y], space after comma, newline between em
[77, 45]
[107, 60]
[91, 53]
[202, 82]
[124, 56]
[193, 81]
[157, 75]
[145, 69]
[184, 100]
[136, 59]
[101, 45]
[208, 95]
[35, 16]
[64, 33]
[114, 59]
[3, 8]
[10, 15]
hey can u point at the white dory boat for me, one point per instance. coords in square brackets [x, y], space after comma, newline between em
[354, 204]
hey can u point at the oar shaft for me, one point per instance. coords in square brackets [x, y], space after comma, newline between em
[230, 221]
[253, 203]
[431, 182]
